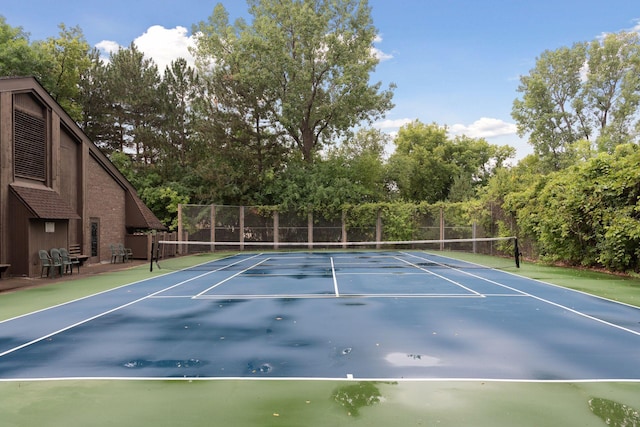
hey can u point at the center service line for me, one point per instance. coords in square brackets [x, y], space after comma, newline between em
[335, 280]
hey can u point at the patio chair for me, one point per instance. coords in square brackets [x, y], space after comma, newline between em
[68, 261]
[126, 253]
[49, 264]
[115, 254]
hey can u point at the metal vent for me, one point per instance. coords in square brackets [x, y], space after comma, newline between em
[30, 148]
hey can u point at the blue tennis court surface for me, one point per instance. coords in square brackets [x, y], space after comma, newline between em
[378, 315]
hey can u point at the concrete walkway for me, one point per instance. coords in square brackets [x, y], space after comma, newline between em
[8, 284]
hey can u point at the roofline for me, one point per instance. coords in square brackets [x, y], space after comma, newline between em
[32, 83]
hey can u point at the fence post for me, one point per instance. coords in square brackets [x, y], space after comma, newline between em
[276, 231]
[441, 228]
[474, 233]
[378, 229]
[241, 228]
[344, 229]
[310, 229]
[180, 228]
[213, 228]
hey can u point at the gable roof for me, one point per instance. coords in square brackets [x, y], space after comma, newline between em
[139, 215]
[43, 203]
[142, 216]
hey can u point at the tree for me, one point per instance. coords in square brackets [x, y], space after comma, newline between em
[57, 63]
[587, 214]
[68, 58]
[426, 162]
[363, 158]
[308, 60]
[589, 92]
[178, 92]
[133, 96]
[95, 99]
[613, 87]
[17, 56]
[551, 110]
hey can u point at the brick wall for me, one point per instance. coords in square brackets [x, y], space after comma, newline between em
[106, 201]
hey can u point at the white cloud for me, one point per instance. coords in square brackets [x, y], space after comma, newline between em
[381, 55]
[107, 47]
[485, 127]
[387, 125]
[378, 53]
[163, 45]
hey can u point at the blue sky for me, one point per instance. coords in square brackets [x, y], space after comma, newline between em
[455, 62]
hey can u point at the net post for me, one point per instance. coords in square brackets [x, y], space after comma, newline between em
[516, 252]
[151, 255]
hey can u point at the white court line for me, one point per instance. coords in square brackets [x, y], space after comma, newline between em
[335, 279]
[97, 316]
[342, 378]
[440, 276]
[230, 277]
[564, 307]
[328, 296]
[106, 291]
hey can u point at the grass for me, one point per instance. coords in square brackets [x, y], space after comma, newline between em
[314, 403]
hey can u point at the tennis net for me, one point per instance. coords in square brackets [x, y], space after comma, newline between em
[495, 252]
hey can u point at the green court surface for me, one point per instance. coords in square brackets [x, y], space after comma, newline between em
[294, 402]
[316, 403]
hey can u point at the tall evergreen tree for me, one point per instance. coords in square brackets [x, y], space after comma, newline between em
[133, 89]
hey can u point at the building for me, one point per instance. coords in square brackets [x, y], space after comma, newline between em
[57, 189]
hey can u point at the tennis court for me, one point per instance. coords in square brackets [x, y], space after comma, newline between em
[356, 315]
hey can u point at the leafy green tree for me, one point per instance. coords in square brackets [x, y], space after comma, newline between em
[613, 87]
[583, 215]
[587, 92]
[17, 56]
[308, 62]
[426, 162]
[67, 58]
[363, 158]
[57, 62]
[552, 110]
[163, 200]
[461, 189]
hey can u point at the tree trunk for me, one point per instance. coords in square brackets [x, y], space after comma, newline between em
[308, 142]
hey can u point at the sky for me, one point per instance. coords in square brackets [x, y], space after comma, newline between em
[456, 63]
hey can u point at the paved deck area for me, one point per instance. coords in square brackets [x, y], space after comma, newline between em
[10, 284]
